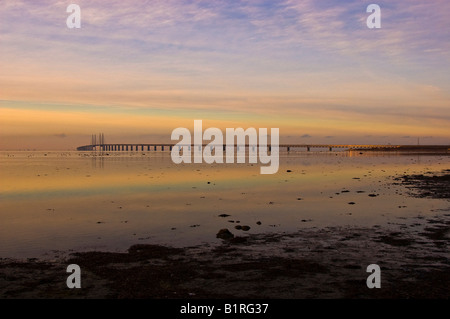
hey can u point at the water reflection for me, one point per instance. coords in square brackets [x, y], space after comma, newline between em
[85, 201]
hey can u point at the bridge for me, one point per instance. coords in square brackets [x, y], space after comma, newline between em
[126, 147]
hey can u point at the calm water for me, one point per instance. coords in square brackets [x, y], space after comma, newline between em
[62, 201]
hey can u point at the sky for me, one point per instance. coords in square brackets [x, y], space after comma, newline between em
[136, 70]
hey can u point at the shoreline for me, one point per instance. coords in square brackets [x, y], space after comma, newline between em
[410, 149]
[311, 263]
[328, 262]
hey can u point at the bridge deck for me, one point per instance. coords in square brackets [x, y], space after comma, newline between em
[154, 146]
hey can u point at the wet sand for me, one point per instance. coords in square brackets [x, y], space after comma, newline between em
[328, 262]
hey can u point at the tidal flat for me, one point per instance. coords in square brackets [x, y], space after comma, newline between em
[140, 226]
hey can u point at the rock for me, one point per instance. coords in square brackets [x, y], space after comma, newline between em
[238, 227]
[245, 228]
[224, 215]
[289, 171]
[351, 203]
[224, 234]
[258, 223]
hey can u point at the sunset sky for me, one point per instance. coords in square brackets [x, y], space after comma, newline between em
[136, 70]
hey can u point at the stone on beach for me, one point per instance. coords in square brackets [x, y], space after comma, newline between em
[224, 234]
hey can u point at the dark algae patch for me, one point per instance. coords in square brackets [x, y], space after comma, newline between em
[434, 185]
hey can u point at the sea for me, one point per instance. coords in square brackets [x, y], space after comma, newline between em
[58, 202]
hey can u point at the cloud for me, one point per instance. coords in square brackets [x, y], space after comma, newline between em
[309, 65]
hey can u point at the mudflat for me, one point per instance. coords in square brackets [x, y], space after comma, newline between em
[328, 262]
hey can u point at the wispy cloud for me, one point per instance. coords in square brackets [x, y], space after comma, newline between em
[289, 63]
